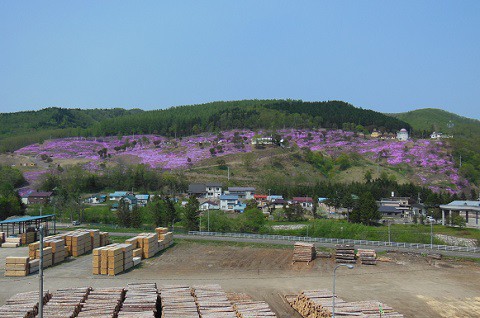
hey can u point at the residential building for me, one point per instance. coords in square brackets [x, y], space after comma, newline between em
[228, 201]
[469, 210]
[402, 135]
[142, 199]
[305, 202]
[210, 190]
[118, 195]
[239, 207]
[96, 199]
[209, 205]
[36, 197]
[244, 193]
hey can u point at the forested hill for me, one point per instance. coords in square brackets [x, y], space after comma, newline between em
[23, 128]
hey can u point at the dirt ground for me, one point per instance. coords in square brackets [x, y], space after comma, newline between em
[413, 285]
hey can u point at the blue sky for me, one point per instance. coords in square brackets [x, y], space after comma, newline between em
[382, 55]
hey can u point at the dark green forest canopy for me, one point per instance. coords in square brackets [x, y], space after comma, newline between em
[16, 128]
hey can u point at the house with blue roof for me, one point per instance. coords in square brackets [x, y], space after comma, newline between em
[117, 195]
[142, 199]
[228, 201]
[240, 207]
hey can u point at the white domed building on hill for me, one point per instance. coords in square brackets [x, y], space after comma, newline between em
[402, 135]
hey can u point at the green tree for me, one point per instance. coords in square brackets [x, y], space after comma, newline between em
[158, 211]
[10, 202]
[366, 211]
[136, 217]
[294, 212]
[251, 221]
[171, 211]
[191, 214]
[124, 214]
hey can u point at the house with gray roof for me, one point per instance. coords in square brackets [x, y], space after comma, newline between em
[469, 210]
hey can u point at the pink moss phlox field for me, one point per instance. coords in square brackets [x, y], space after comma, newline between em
[431, 159]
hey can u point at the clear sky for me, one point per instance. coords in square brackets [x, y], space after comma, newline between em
[390, 56]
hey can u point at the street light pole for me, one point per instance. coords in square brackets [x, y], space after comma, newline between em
[389, 235]
[208, 220]
[333, 298]
[40, 276]
[431, 234]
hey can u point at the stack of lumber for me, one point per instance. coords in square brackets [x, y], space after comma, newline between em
[313, 303]
[28, 237]
[103, 302]
[149, 244]
[66, 303]
[78, 243]
[59, 253]
[178, 302]
[12, 242]
[253, 309]
[112, 259]
[2, 237]
[17, 266]
[34, 266]
[47, 256]
[104, 239]
[24, 305]
[303, 252]
[141, 300]
[212, 302]
[165, 238]
[367, 257]
[94, 238]
[345, 254]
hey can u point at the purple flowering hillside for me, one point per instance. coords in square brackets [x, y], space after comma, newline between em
[426, 162]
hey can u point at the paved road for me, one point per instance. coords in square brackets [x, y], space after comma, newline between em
[328, 245]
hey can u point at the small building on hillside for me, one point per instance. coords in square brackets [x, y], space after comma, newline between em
[209, 205]
[118, 195]
[36, 197]
[469, 210]
[142, 199]
[402, 135]
[212, 190]
[305, 202]
[244, 193]
[239, 207]
[96, 199]
[228, 201]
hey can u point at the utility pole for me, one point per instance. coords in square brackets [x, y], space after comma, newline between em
[431, 234]
[228, 173]
[389, 233]
[40, 275]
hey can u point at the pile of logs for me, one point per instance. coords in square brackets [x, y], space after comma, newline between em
[318, 304]
[303, 252]
[345, 254]
[66, 303]
[178, 302]
[141, 300]
[24, 305]
[253, 309]
[367, 257]
[103, 302]
[212, 302]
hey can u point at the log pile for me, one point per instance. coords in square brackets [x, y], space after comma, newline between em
[23, 305]
[253, 309]
[303, 252]
[103, 302]
[367, 257]
[345, 254]
[66, 303]
[178, 302]
[318, 304]
[141, 300]
[212, 302]
[17, 266]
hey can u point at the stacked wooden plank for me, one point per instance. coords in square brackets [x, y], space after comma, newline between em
[66, 303]
[33, 266]
[149, 244]
[59, 252]
[141, 300]
[112, 259]
[12, 242]
[17, 266]
[212, 302]
[312, 303]
[103, 302]
[28, 237]
[23, 305]
[165, 238]
[2, 237]
[367, 257]
[47, 256]
[78, 243]
[253, 309]
[345, 254]
[178, 302]
[303, 252]
[104, 238]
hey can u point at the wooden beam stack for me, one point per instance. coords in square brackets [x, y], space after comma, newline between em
[303, 252]
[77, 242]
[345, 254]
[103, 302]
[112, 259]
[59, 252]
[28, 237]
[178, 302]
[12, 242]
[311, 303]
[47, 256]
[2, 238]
[104, 238]
[367, 257]
[141, 300]
[17, 266]
[212, 302]
[66, 303]
[23, 305]
[34, 266]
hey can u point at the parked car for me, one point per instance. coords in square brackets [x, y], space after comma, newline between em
[430, 219]
[75, 223]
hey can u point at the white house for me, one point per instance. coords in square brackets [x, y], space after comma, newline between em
[228, 201]
[142, 199]
[402, 135]
[244, 193]
[209, 205]
[213, 190]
